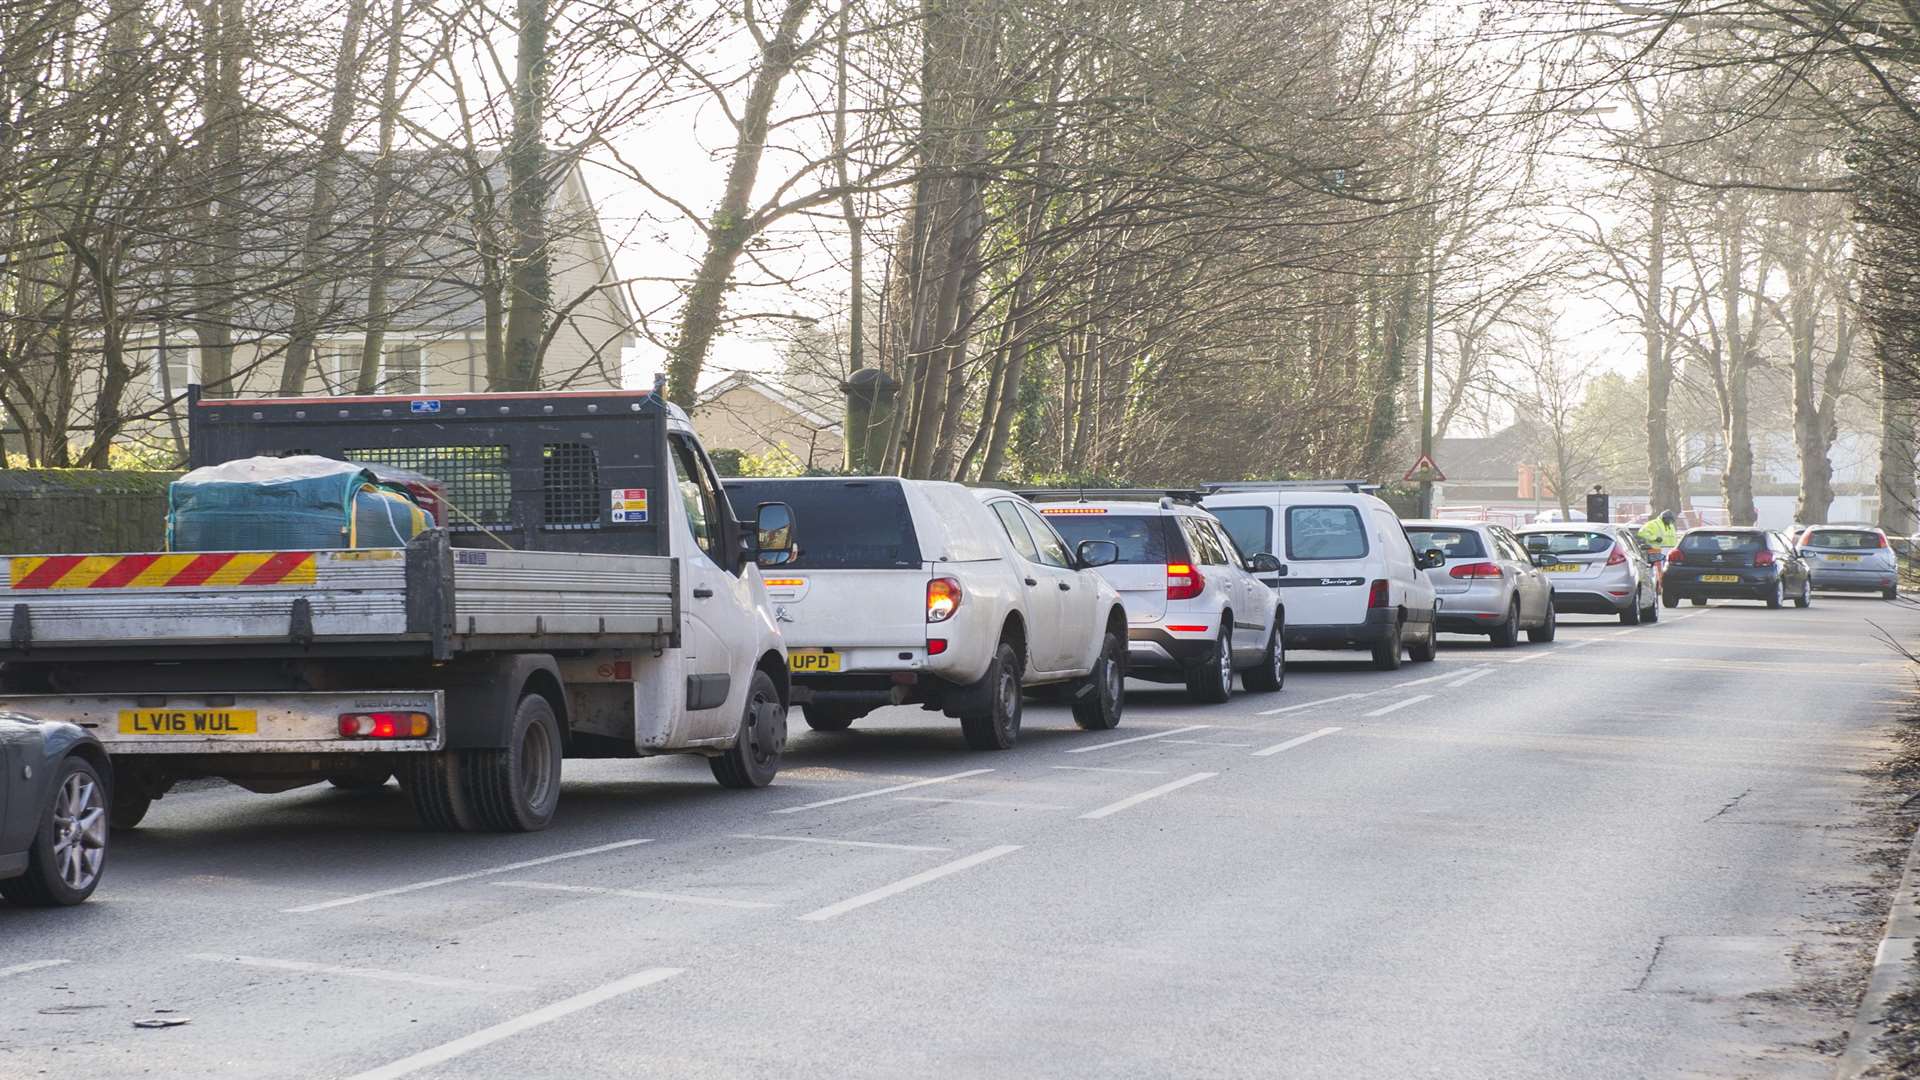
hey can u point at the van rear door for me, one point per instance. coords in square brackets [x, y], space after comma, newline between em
[1325, 547]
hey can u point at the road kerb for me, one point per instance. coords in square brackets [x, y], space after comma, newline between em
[1893, 970]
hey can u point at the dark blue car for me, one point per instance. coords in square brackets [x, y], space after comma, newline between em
[53, 812]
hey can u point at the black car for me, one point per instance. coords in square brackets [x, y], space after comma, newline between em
[1736, 564]
[53, 812]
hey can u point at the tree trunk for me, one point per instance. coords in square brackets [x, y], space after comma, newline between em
[1736, 482]
[367, 380]
[1663, 482]
[1896, 452]
[529, 277]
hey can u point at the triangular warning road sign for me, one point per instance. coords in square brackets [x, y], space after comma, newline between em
[1424, 471]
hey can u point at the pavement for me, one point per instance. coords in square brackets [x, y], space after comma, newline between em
[1634, 852]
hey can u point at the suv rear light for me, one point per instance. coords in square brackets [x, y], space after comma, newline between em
[1377, 595]
[385, 725]
[1763, 557]
[1468, 570]
[1184, 581]
[1617, 556]
[943, 599]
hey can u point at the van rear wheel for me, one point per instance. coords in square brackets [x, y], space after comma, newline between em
[1386, 654]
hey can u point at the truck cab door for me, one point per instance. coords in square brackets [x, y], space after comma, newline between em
[715, 601]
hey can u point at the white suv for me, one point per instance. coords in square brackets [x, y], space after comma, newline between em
[1196, 612]
[919, 591]
[1349, 576]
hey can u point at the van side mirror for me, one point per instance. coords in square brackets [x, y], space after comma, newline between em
[773, 535]
[1264, 563]
[1098, 553]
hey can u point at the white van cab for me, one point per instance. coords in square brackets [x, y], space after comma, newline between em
[1349, 577]
[962, 600]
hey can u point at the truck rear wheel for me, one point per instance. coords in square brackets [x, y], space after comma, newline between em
[433, 782]
[518, 789]
[822, 717]
[755, 756]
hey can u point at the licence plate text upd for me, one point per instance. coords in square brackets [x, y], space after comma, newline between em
[813, 661]
[189, 722]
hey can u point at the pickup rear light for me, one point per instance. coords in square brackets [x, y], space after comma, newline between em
[1184, 581]
[936, 646]
[943, 599]
[1377, 595]
[1470, 571]
[1763, 557]
[385, 725]
[1617, 556]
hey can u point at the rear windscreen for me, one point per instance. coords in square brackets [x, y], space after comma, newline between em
[1250, 526]
[1325, 532]
[1848, 539]
[1722, 542]
[839, 524]
[1141, 539]
[1570, 542]
[1456, 543]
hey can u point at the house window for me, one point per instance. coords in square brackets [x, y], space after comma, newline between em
[340, 370]
[403, 371]
[178, 374]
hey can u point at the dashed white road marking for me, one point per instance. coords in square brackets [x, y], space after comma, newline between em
[455, 878]
[1530, 656]
[1582, 643]
[832, 911]
[1398, 705]
[880, 791]
[1469, 677]
[1419, 682]
[1291, 743]
[1000, 804]
[31, 965]
[1138, 738]
[1128, 772]
[1624, 631]
[840, 843]
[1151, 793]
[1311, 704]
[1204, 742]
[638, 894]
[446, 1052]
[308, 967]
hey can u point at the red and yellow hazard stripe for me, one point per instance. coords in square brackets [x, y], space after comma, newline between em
[214, 568]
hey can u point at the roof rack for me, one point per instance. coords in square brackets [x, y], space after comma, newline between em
[1191, 496]
[1355, 486]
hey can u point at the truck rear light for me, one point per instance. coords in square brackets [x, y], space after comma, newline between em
[1472, 570]
[1184, 581]
[1763, 557]
[1377, 595]
[936, 646]
[385, 725]
[943, 599]
[1617, 556]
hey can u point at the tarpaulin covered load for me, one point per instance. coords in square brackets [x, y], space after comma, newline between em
[271, 503]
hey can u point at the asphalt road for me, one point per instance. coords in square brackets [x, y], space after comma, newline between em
[1635, 852]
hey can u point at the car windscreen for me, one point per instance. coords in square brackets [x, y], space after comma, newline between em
[1325, 532]
[1250, 526]
[1568, 542]
[1714, 543]
[1844, 539]
[1456, 543]
[839, 524]
[1141, 538]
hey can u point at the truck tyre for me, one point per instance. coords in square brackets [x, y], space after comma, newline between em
[439, 793]
[1386, 654]
[755, 756]
[518, 789]
[69, 849]
[1098, 708]
[1270, 674]
[1212, 681]
[822, 717]
[999, 727]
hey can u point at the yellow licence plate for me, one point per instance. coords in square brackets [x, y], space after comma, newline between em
[1843, 558]
[1720, 579]
[813, 660]
[189, 722]
[1565, 568]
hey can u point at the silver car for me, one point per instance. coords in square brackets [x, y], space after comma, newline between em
[1596, 569]
[1488, 585]
[1851, 558]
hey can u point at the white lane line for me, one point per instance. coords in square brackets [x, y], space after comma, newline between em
[1204, 742]
[31, 965]
[1096, 768]
[1398, 705]
[446, 1052]
[880, 791]
[1311, 704]
[637, 894]
[1581, 644]
[308, 967]
[883, 892]
[980, 802]
[840, 843]
[1422, 682]
[1138, 738]
[1291, 743]
[455, 878]
[1623, 633]
[1469, 677]
[1524, 659]
[1150, 793]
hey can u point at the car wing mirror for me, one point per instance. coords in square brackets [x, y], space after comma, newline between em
[773, 534]
[1432, 558]
[1098, 553]
[1264, 563]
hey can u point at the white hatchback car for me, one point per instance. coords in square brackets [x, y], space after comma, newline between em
[1349, 577]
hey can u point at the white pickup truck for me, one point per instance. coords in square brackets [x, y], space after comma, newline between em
[589, 593]
[918, 591]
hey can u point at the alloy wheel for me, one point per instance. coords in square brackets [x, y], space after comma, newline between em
[79, 831]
